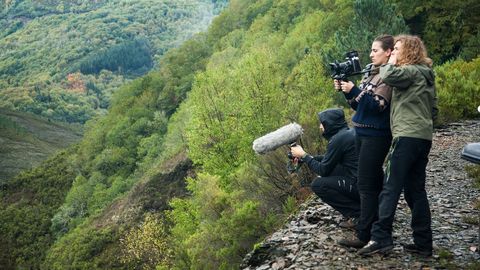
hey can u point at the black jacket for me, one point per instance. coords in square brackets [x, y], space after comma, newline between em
[340, 159]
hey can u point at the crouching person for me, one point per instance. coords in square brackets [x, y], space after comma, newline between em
[337, 169]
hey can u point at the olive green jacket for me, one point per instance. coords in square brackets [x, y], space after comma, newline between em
[414, 100]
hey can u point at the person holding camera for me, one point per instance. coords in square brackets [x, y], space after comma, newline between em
[337, 169]
[409, 72]
[371, 102]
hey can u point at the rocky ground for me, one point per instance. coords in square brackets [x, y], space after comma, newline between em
[308, 240]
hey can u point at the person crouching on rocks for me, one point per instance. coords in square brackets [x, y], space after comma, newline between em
[336, 184]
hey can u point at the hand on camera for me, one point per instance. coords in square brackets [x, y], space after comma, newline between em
[337, 85]
[346, 87]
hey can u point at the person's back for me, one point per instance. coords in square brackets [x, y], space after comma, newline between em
[412, 112]
[344, 142]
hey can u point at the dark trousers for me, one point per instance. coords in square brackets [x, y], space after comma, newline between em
[339, 192]
[406, 165]
[371, 155]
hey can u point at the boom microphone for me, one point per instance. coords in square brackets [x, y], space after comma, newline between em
[282, 136]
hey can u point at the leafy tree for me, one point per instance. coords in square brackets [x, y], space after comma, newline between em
[178, 68]
[128, 57]
[27, 204]
[371, 18]
[147, 245]
[82, 249]
[431, 19]
[471, 49]
[228, 226]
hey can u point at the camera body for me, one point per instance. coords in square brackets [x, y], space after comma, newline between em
[341, 71]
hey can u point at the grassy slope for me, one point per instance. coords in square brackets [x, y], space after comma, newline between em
[26, 140]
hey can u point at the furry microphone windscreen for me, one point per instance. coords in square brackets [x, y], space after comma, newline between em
[282, 136]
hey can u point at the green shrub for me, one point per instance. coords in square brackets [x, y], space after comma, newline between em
[27, 204]
[83, 248]
[458, 90]
[147, 244]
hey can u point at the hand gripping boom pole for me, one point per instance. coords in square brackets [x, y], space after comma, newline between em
[282, 136]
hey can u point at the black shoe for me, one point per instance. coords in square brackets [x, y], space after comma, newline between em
[354, 242]
[349, 223]
[373, 247]
[415, 249]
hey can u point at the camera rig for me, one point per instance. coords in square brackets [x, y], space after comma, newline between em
[350, 67]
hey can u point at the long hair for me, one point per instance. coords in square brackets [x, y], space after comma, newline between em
[413, 51]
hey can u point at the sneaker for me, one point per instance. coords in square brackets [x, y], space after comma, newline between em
[374, 247]
[353, 242]
[349, 223]
[415, 249]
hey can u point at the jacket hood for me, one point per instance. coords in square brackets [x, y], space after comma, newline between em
[427, 73]
[333, 120]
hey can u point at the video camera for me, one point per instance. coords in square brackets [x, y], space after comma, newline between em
[341, 71]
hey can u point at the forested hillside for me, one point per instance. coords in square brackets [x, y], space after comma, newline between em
[191, 123]
[63, 59]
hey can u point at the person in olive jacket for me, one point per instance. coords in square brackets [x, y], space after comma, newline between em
[413, 108]
[337, 169]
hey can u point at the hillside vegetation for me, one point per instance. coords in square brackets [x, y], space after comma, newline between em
[26, 140]
[260, 65]
[64, 59]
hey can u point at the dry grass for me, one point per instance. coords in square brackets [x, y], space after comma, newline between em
[26, 140]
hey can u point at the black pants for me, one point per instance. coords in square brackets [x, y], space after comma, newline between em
[406, 165]
[339, 192]
[371, 155]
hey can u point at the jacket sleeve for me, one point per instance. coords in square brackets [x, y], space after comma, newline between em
[372, 102]
[350, 97]
[398, 77]
[332, 157]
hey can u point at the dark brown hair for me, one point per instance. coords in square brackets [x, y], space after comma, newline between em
[387, 41]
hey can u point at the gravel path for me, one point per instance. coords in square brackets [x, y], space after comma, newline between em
[308, 240]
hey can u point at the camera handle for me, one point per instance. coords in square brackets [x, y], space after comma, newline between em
[344, 77]
[294, 163]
